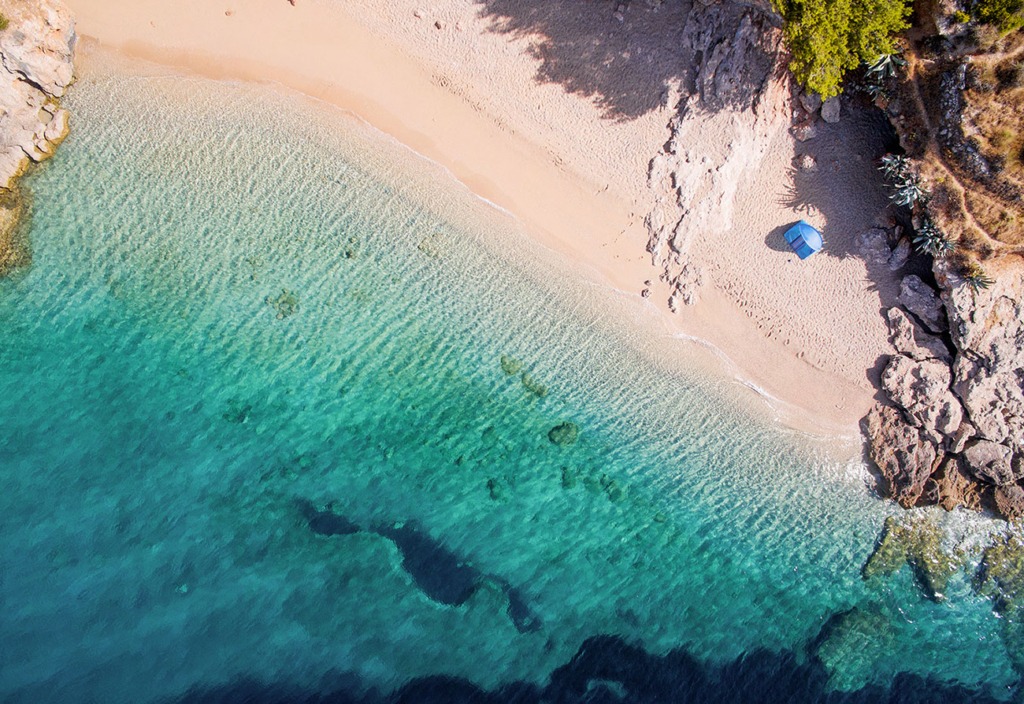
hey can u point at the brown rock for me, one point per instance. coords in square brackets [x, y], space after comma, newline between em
[1010, 501]
[902, 454]
[954, 487]
[989, 462]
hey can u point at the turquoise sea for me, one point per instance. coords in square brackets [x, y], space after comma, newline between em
[287, 415]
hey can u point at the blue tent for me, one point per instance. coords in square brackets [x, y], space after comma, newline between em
[804, 239]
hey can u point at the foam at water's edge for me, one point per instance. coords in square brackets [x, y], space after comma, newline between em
[256, 393]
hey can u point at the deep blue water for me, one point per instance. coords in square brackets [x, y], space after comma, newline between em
[277, 426]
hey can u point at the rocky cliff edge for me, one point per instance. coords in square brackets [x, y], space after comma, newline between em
[36, 67]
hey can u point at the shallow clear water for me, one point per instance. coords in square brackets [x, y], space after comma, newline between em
[256, 426]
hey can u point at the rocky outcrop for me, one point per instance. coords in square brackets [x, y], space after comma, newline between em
[904, 456]
[36, 52]
[962, 412]
[923, 303]
[740, 97]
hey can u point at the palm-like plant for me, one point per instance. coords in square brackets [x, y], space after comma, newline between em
[975, 277]
[931, 240]
[875, 90]
[895, 167]
[909, 191]
[886, 66]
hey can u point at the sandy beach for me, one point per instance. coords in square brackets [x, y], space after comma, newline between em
[553, 112]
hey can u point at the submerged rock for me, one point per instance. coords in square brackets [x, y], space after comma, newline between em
[14, 249]
[916, 542]
[510, 365]
[853, 643]
[533, 386]
[1001, 574]
[564, 434]
[285, 304]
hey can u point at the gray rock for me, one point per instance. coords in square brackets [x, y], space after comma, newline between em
[806, 162]
[830, 110]
[921, 389]
[921, 300]
[902, 454]
[994, 402]
[873, 245]
[900, 254]
[811, 102]
[805, 131]
[989, 462]
[909, 339]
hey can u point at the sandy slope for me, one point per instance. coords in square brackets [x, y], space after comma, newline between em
[553, 109]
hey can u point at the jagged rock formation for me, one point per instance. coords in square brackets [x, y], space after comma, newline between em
[740, 89]
[36, 67]
[955, 432]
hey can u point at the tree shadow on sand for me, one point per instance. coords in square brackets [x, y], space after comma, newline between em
[626, 67]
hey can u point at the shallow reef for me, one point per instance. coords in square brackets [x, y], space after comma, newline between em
[917, 542]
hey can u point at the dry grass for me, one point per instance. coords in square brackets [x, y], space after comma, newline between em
[993, 117]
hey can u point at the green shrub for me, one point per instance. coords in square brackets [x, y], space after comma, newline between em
[827, 38]
[961, 17]
[1007, 15]
[3, 22]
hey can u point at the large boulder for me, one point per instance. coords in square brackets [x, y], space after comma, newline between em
[830, 110]
[989, 462]
[994, 401]
[921, 389]
[921, 300]
[909, 339]
[987, 327]
[903, 455]
[873, 245]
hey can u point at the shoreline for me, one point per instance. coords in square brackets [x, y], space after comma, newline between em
[598, 229]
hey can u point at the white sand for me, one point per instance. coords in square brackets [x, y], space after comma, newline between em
[553, 110]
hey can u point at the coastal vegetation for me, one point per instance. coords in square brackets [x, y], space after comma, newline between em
[1007, 15]
[829, 39]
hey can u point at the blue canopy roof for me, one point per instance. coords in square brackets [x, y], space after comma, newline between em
[804, 239]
